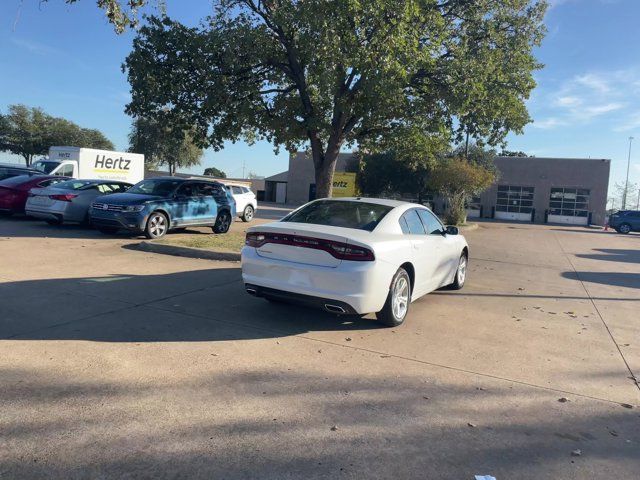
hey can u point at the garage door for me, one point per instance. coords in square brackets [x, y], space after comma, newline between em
[473, 207]
[569, 205]
[514, 203]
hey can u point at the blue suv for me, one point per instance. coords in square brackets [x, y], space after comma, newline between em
[625, 221]
[157, 205]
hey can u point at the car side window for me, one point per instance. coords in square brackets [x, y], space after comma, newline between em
[66, 170]
[186, 190]
[237, 190]
[431, 223]
[404, 226]
[104, 188]
[413, 222]
[206, 189]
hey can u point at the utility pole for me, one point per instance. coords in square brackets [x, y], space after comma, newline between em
[638, 201]
[626, 183]
[244, 162]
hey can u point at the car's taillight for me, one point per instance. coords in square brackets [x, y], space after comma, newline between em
[340, 250]
[66, 197]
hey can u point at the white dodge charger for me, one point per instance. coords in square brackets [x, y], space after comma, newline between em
[354, 256]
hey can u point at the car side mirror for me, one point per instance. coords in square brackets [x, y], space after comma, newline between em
[451, 230]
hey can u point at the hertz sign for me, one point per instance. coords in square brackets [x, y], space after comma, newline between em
[344, 184]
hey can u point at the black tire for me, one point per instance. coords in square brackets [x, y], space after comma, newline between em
[108, 230]
[157, 226]
[51, 221]
[393, 314]
[624, 228]
[461, 273]
[223, 222]
[247, 215]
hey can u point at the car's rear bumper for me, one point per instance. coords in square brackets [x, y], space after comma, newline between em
[329, 304]
[358, 287]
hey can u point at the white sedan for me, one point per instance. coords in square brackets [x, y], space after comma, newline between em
[354, 256]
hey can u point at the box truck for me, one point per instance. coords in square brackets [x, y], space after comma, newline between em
[91, 164]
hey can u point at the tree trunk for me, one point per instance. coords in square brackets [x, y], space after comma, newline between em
[325, 165]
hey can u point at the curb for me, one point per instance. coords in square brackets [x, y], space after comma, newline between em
[188, 252]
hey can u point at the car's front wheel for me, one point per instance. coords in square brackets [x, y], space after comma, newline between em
[247, 215]
[397, 305]
[223, 222]
[461, 273]
[624, 228]
[157, 226]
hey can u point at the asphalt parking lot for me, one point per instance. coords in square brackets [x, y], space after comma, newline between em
[116, 363]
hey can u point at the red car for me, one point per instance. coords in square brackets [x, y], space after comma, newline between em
[15, 190]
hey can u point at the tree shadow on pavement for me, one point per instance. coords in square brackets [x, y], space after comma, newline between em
[278, 423]
[613, 255]
[617, 279]
[199, 305]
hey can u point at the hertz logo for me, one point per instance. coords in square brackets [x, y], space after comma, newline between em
[112, 163]
[340, 184]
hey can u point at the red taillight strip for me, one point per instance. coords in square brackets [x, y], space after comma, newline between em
[340, 250]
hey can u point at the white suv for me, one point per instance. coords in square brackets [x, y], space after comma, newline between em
[246, 203]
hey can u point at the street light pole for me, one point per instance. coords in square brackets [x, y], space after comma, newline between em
[626, 183]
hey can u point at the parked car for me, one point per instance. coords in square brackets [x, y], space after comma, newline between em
[158, 205]
[8, 170]
[625, 221]
[354, 256]
[15, 190]
[69, 200]
[246, 202]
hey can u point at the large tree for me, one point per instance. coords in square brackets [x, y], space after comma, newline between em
[214, 172]
[164, 145]
[30, 132]
[322, 74]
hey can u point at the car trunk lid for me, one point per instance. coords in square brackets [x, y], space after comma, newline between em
[303, 243]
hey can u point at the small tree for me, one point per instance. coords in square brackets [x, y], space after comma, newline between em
[163, 144]
[30, 132]
[214, 172]
[456, 179]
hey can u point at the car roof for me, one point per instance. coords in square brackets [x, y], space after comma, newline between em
[17, 167]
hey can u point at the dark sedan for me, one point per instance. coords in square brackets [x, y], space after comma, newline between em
[14, 191]
[157, 205]
[625, 221]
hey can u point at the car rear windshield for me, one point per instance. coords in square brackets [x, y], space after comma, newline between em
[45, 167]
[73, 184]
[160, 188]
[15, 180]
[340, 213]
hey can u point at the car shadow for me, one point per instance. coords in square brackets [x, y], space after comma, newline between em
[195, 306]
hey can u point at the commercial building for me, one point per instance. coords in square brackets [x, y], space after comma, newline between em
[546, 190]
[531, 189]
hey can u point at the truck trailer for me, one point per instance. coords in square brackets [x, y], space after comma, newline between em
[92, 164]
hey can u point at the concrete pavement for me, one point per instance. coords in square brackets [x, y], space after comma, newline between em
[116, 363]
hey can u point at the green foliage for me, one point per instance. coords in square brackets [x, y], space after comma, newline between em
[513, 153]
[163, 144]
[29, 132]
[214, 172]
[328, 73]
[456, 179]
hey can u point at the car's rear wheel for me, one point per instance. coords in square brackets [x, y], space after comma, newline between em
[223, 222]
[397, 305]
[247, 215]
[624, 228]
[461, 272]
[157, 226]
[108, 230]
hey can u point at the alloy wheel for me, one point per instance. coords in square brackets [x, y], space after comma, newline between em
[400, 298]
[157, 225]
[462, 269]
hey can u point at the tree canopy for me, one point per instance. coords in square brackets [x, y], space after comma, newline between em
[164, 145]
[322, 74]
[215, 172]
[29, 132]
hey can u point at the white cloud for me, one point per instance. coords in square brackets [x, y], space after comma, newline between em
[568, 101]
[596, 110]
[36, 48]
[548, 123]
[594, 81]
[631, 122]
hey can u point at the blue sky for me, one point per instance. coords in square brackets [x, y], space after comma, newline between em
[66, 59]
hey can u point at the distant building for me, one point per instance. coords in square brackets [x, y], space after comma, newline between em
[531, 189]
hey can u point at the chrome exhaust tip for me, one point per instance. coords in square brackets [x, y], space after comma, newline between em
[333, 308]
[251, 291]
